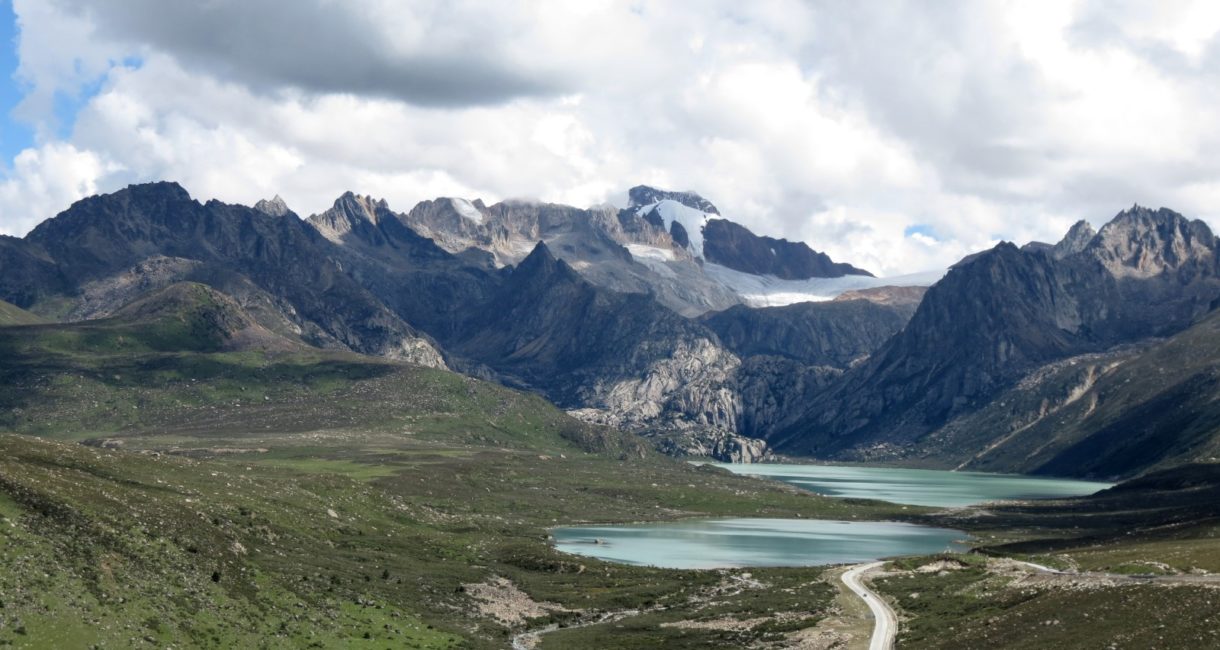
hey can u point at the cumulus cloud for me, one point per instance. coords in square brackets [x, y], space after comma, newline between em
[427, 52]
[46, 180]
[841, 124]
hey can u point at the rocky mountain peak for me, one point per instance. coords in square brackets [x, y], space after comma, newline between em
[691, 221]
[1141, 242]
[540, 273]
[160, 194]
[353, 214]
[642, 195]
[275, 207]
[169, 190]
[540, 261]
[1076, 240]
[116, 230]
[361, 207]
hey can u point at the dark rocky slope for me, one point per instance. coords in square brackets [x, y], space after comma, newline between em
[835, 333]
[612, 358]
[1113, 414]
[281, 262]
[733, 245]
[1000, 314]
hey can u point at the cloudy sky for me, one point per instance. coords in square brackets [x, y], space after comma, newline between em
[894, 135]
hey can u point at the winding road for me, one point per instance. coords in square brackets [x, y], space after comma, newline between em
[885, 625]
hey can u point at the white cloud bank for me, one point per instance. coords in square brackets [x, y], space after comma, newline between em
[896, 136]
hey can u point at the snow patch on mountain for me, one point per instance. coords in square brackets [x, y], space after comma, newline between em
[660, 267]
[691, 220]
[467, 209]
[770, 291]
[646, 252]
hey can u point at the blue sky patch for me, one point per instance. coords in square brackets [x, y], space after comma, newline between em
[920, 229]
[14, 135]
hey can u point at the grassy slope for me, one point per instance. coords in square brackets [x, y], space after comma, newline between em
[1171, 517]
[13, 315]
[199, 510]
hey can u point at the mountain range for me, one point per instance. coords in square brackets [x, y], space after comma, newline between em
[667, 319]
[1009, 318]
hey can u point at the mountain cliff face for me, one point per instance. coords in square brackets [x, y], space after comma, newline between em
[732, 245]
[614, 358]
[1000, 314]
[1131, 409]
[834, 334]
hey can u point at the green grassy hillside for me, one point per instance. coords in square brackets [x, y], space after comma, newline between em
[245, 491]
[1168, 519]
[13, 315]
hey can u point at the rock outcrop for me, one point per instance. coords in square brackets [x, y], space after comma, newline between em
[1077, 239]
[275, 207]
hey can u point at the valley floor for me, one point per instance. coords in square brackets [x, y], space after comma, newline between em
[220, 499]
[351, 540]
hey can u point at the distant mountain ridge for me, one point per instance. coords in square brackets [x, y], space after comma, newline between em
[659, 244]
[1003, 313]
[284, 264]
[1011, 362]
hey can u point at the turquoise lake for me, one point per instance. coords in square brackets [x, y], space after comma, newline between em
[714, 543]
[920, 487]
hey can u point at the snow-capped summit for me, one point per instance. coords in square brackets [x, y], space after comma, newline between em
[676, 246]
[467, 209]
[642, 195]
[684, 223]
[695, 225]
